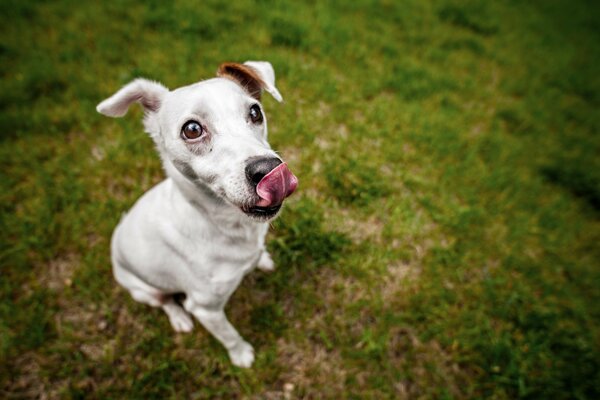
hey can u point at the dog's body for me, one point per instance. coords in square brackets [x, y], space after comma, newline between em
[203, 228]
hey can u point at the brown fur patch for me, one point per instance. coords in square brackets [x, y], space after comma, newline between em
[244, 75]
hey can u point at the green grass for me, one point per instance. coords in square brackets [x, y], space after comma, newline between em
[443, 242]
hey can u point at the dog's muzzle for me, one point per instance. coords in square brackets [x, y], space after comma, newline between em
[273, 181]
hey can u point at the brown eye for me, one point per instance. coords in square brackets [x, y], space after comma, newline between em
[255, 114]
[191, 130]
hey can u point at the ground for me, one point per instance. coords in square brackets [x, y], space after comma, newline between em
[443, 242]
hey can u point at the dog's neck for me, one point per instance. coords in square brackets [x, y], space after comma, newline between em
[206, 201]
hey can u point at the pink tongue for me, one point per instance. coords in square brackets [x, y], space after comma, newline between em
[276, 186]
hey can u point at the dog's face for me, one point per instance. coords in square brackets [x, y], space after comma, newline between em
[214, 133]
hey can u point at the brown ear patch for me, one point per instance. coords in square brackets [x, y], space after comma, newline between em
[246, 76]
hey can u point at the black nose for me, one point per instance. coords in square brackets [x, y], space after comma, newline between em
[258, 167]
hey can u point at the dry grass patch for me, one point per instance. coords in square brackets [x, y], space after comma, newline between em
[58, 273]
[426, 366]
[26, 381]
[399, 275]
[313, 371]
[359, 229]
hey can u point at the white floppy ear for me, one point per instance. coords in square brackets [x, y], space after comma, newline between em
[267, 75]
[148, 93]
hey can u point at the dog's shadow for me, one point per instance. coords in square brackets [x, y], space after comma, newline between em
[303, 249]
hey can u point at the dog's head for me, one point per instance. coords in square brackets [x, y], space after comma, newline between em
[214, 134]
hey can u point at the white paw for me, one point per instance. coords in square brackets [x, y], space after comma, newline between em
[242, 355]
[181, 321]
[265, 263]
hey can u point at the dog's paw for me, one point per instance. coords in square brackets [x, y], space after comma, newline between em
[242, 355]
[181, 321]
[265, 263]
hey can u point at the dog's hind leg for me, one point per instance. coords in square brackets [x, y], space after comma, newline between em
[142, 292]
[179, 318]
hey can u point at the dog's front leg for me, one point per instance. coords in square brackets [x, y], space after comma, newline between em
[265, 262]
[215, 321]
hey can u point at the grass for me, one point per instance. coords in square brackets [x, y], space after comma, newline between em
[443, 243]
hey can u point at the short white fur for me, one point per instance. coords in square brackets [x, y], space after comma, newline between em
[188, 234]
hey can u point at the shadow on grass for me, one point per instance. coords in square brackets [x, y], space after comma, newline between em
[302, 246]
[577, 179]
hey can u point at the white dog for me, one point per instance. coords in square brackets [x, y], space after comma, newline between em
[203, 228]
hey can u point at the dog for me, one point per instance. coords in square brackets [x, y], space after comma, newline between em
[200, 230]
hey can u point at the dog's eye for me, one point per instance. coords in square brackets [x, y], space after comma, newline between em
[191, 130]
[255, 114]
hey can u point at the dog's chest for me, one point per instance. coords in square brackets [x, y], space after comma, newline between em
[216, 254]
[218, 267]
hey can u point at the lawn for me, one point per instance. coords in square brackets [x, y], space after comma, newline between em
[443, 242]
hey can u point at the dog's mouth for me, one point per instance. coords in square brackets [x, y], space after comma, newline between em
[275, 186]
[262, 213]
[272, 189]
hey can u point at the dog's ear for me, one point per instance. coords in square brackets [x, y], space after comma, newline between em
[148, 93]
[267, 74]
[254, 76]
